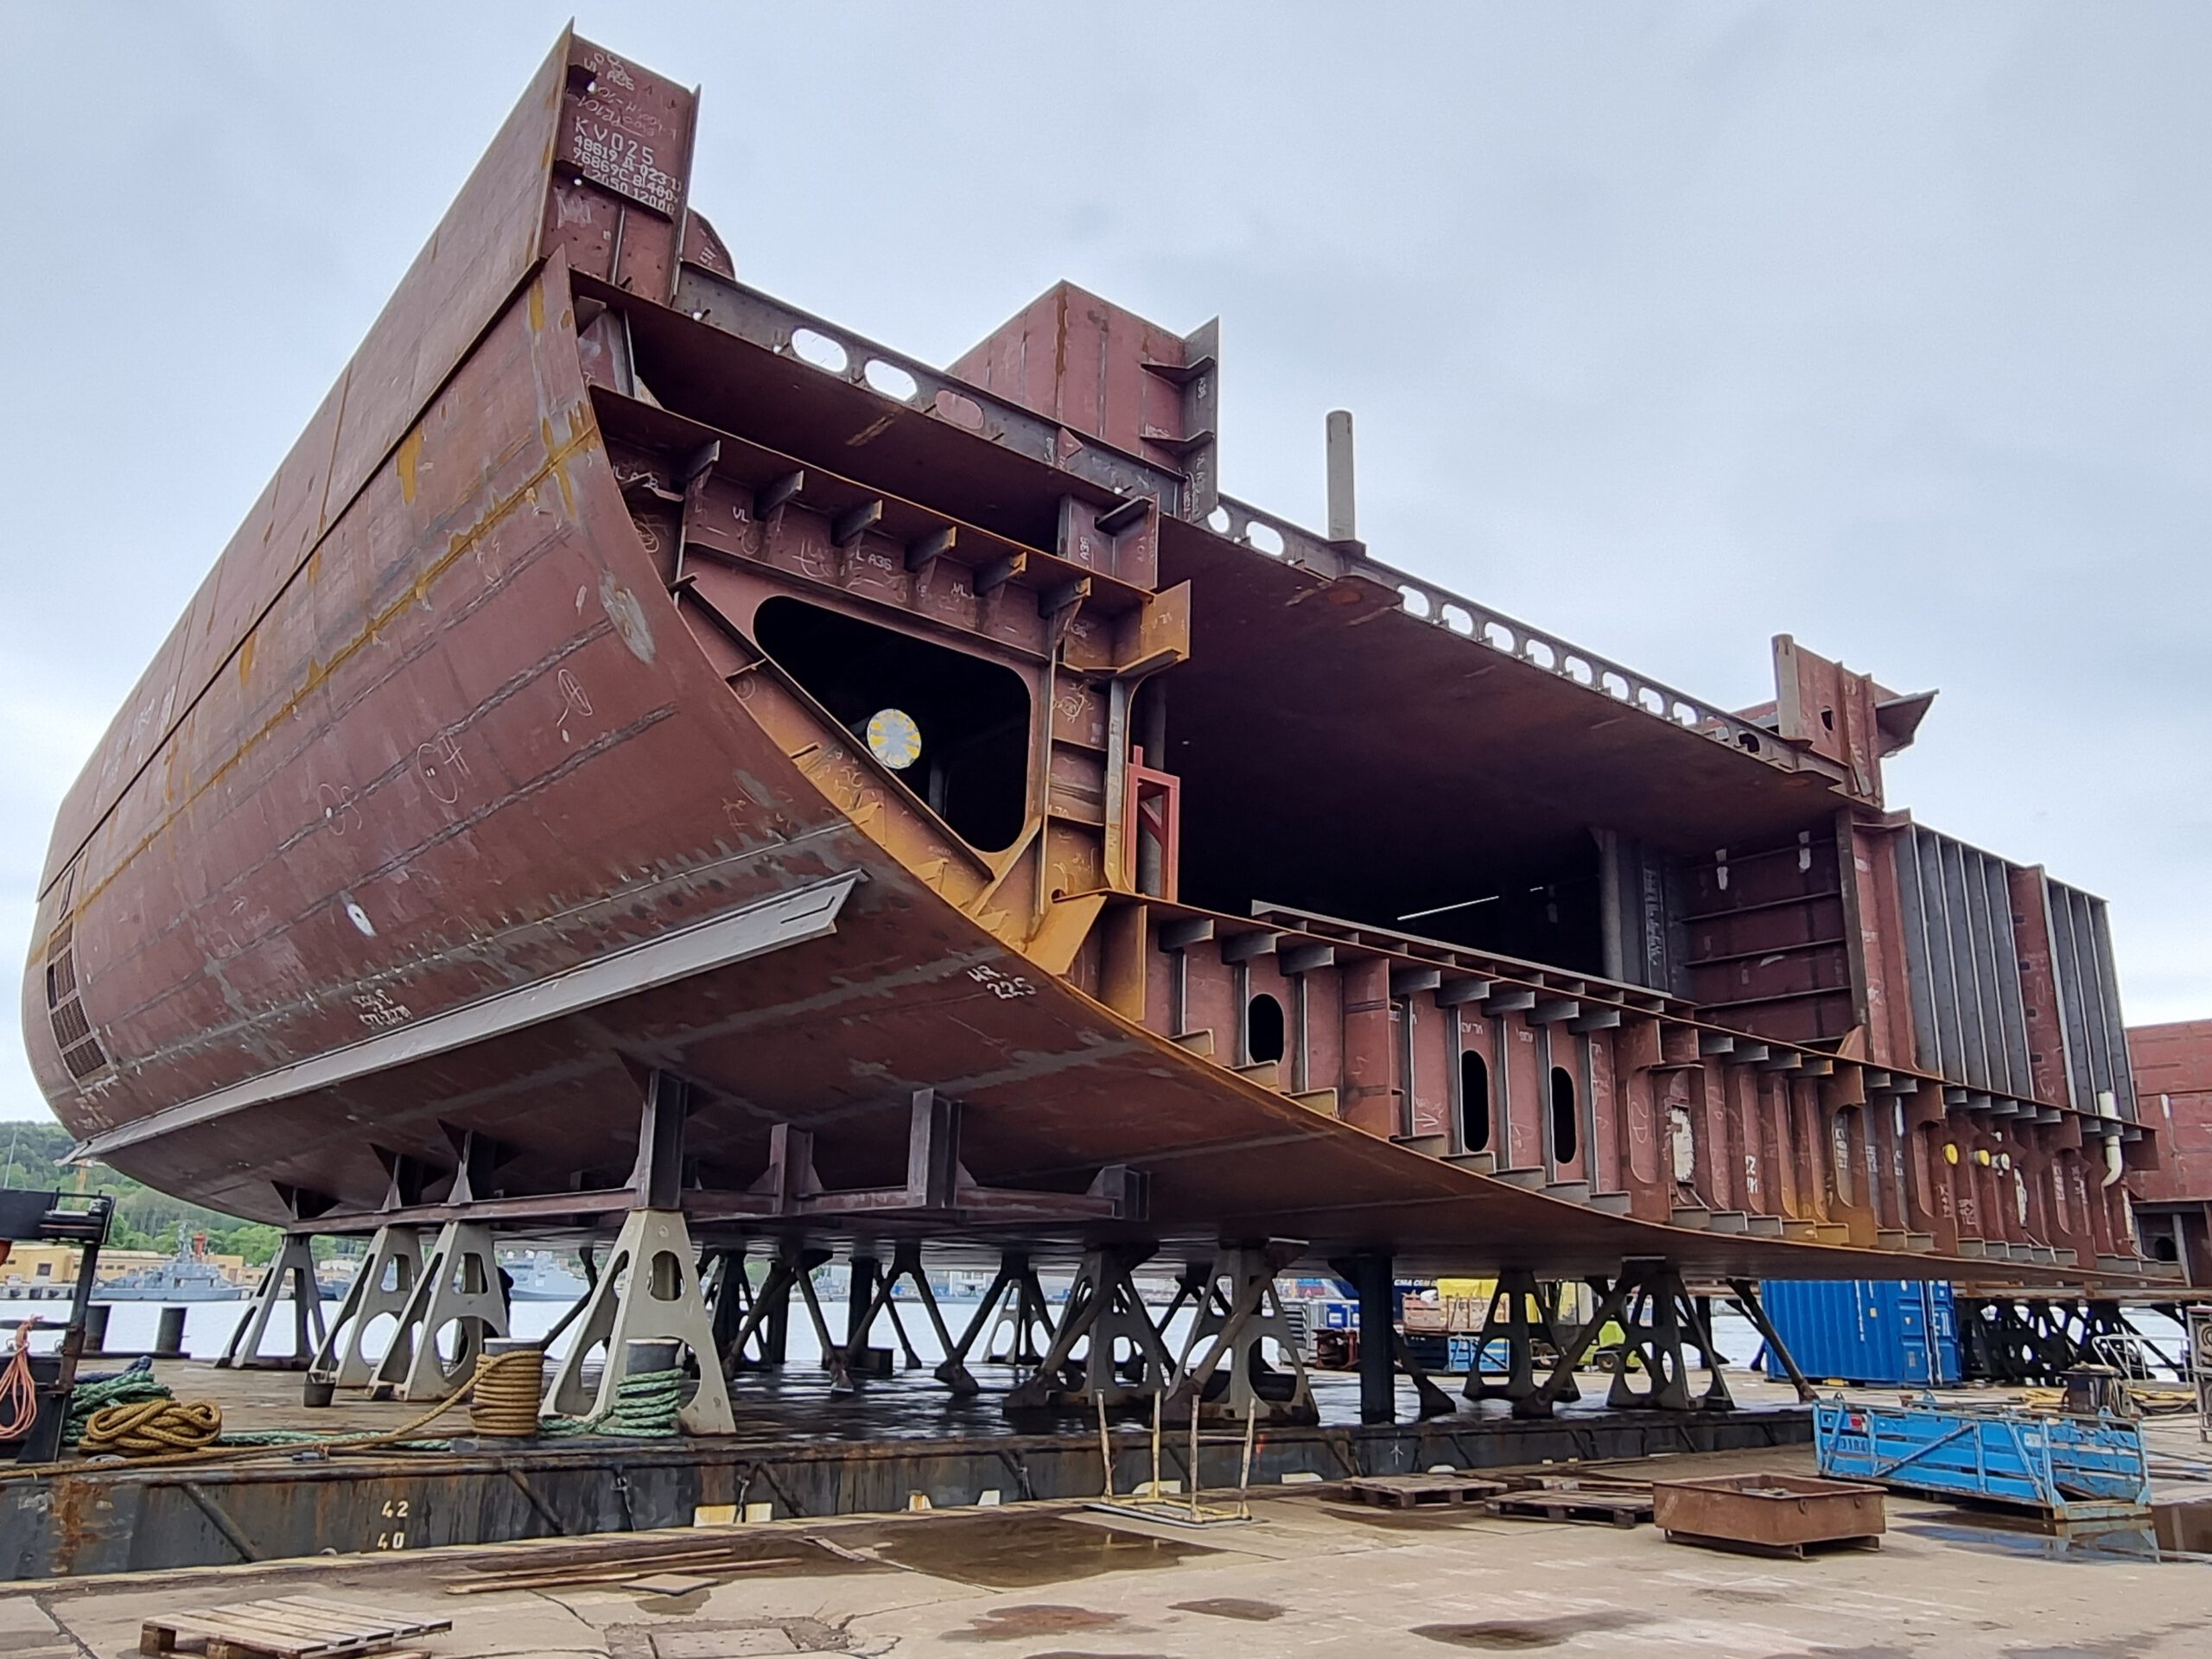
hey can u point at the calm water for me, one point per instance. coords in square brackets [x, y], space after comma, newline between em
[208, 1326]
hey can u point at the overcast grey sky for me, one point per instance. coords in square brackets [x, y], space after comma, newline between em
[1669, 327]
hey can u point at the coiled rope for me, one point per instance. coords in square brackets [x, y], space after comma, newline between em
[504, 1394]
[153, 1428]
[262, 1445]
[124, 1387]
[18, 1392]
[643, 1408]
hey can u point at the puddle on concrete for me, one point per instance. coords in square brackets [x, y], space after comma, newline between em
[1495, 1636]
[2133, 1546]
[690, 1602]
[1516, 1635]
[1017, 1551]
[1023, 1624]
[1253, 1612]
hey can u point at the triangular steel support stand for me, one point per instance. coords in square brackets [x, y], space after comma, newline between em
[292, 1270]
[383, 1284]
[649, 1290]
[460, 1287]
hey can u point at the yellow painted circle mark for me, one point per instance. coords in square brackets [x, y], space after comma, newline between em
[895, 739]
[1950, 1152]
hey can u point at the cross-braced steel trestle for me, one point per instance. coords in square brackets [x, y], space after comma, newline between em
[1523, 1310]
[1225, 1368]
[1122, 1356]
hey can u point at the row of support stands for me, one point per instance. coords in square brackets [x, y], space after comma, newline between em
[1237, 1360]
[1660, 1323]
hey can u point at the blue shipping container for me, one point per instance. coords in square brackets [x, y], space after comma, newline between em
[1872, 1331]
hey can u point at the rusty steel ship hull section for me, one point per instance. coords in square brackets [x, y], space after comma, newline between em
[466, 795]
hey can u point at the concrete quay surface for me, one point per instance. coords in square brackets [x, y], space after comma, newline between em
[1310, 1574]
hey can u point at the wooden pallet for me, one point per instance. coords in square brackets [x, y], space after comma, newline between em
[1589, 1508]
[1420, 1491]
[284, 1627]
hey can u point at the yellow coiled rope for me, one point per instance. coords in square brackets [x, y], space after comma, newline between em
[504, 1394]
[152, 1428]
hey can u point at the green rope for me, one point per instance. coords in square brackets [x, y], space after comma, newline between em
[643, 1408]
[309, 1438]
[124, 1388]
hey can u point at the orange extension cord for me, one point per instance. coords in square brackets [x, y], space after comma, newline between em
[18, 1395]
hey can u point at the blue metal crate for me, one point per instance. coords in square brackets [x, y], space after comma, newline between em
[2072, 1468]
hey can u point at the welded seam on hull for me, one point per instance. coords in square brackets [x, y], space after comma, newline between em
[325, 524]
[807, 912]
[586, 438]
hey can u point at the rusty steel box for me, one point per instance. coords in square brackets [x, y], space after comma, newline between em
[1781, 1515]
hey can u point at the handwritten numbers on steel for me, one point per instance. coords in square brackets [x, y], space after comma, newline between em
[342, 807]
[1004, 986]
[443, 768]
[575, 701]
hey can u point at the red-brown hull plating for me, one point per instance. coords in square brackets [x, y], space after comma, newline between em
[446, 731]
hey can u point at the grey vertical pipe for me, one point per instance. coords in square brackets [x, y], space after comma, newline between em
[1609, 904]
[169, 1335]
[96, 1318]
[1344, 523]
[1151, 724]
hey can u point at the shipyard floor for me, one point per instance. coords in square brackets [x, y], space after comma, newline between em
[1310, 1574]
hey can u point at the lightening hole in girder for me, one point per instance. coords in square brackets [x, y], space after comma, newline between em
[1263, 1028]
[1501, 638]
[1613, 685]
[1686, 715]
[1580, 671]
[1650, 701]
[890, 380]
[1563, 1115]
[1220, 521]
[1474, 1102]
[820, 350]
[1266, 537]
[1457, 618]
[960, 411]
[1540, 653]
[1416, 602]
